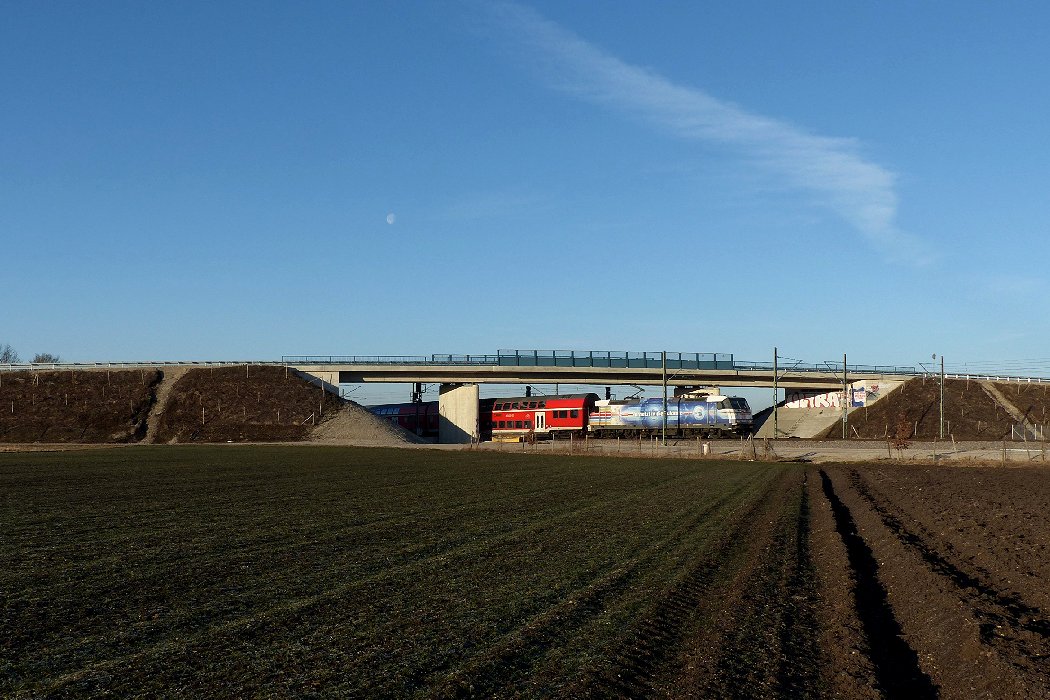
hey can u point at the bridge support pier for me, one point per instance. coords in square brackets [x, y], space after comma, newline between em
[458, 414]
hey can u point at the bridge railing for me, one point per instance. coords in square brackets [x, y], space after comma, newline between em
[143, 364]
[538, 358]
[835, 367]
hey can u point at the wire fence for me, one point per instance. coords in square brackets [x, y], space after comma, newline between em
[1035, 432]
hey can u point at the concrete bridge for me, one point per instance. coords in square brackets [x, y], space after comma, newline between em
[575, 367]
[460, 375]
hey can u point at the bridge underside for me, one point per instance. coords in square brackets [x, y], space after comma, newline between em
[364, 374]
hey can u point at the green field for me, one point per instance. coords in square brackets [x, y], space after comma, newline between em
[237, 571]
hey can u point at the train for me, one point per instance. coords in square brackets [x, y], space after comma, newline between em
[711, 415]
[418, 417]
[532, 417]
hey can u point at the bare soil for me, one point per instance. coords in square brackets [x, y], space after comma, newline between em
[969, 413]
[239, 571]
[948, 569]
[1032, 400]
[252, 403]
[62, 406]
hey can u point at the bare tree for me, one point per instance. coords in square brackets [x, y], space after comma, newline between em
[8, 355]
[901, 439]
[45, 358]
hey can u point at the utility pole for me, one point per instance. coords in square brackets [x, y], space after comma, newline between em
[775, 393]
[942, 397]
[845, 399]
[663, 363]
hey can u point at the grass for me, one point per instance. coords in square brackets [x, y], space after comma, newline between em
[229, 570]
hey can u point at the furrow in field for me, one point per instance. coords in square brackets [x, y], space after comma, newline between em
[147, 588]
[510, 660]
[895, 663]
[765, 644]
[759, 640]
[150, 541]
[651, 647]
[1019, 632]
[847, 671]
[157, 641]
[569, 547]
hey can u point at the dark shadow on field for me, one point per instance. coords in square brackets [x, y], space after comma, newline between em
[896, 664]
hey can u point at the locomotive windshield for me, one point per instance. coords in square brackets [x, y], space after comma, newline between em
[738, 403]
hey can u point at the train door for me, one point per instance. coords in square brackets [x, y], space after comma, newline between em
[541, 421]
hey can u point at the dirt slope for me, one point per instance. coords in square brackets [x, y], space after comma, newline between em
[252, 403]
[970, 413]
[256, 403]
[95, 406]
[1032, 400]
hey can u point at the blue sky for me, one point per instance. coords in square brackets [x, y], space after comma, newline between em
[250, 180]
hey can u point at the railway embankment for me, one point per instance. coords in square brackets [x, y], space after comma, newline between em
[973, 411]
[246, 403]
[62, 406]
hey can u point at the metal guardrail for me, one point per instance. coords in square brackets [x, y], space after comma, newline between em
[537, 358]
[834, 367]
[39, 366]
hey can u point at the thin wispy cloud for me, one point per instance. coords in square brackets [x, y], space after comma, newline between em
[1011, 286]
[831, 170]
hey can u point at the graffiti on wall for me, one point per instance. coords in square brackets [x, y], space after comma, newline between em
[861, 394]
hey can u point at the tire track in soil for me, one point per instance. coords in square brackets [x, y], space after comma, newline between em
[654, 645]
[799, 630]
[763, 641]
[1005, 619]
[499, 668]
[896, 664]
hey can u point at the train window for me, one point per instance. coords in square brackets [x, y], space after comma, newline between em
[517, 424]
[498, 407]
[574, 413]
[543, 404]
[502, 424]
[528, 424]
[514, 405]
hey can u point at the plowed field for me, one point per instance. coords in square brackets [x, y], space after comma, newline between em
[280, 571]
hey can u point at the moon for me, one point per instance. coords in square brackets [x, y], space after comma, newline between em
[390, 218]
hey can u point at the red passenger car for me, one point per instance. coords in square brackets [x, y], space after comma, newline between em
[420, 418]
[539, 416]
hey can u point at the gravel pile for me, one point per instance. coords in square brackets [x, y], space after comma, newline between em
[355, 425]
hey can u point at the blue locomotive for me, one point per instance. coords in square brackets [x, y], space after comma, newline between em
[687, 416]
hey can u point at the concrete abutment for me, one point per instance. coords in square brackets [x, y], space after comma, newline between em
[458, 413]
